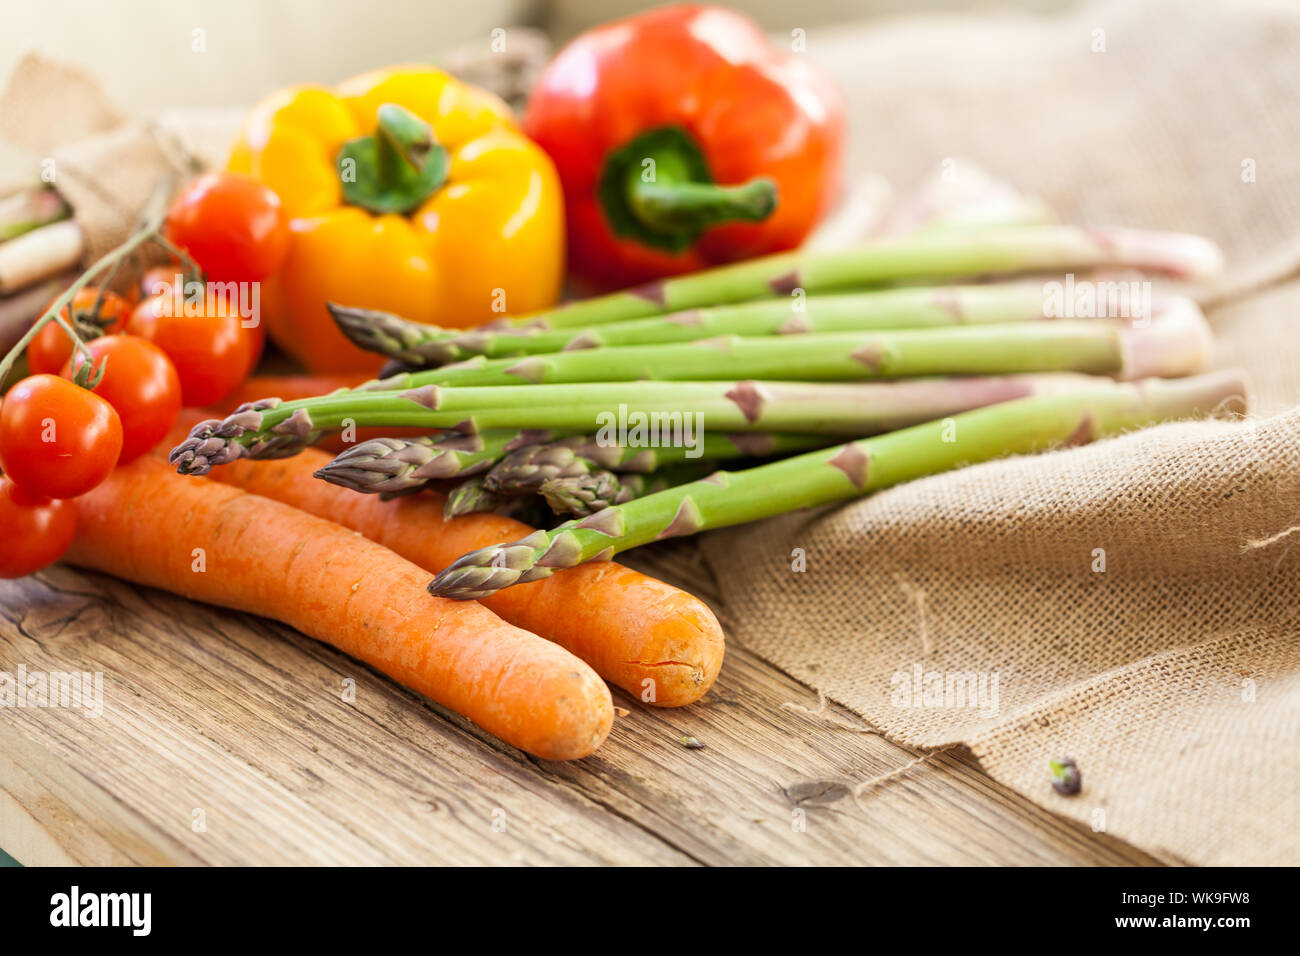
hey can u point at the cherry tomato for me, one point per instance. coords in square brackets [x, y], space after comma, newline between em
[212, 351]
[140, 383]
[57, 440]
[36, 530]
[52, 347]
[157, 280]
[232, 225]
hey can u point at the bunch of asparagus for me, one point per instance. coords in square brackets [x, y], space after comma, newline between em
[892, 345]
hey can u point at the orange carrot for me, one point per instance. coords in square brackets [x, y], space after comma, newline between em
[148, 524]
[655, 641]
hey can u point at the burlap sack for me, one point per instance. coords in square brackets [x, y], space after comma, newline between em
[1134, 604]
[105, 164]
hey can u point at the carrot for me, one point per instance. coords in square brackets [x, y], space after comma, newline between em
[293, 387]
[655, 641]
[145, 524]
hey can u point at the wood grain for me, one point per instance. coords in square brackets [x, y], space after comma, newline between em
[243, 723]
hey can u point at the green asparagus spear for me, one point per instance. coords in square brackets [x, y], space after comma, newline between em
[585, 494]
[995, 250]
[471, 497]
[836, 474]
[524, 471]
[390, 465]
[275, 429]
[1177, 343]
[904, 308]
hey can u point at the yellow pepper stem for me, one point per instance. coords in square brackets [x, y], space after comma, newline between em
[395, 169]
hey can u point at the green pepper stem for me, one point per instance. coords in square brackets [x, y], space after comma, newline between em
[397, 168]
[669, 207]
[658, 190]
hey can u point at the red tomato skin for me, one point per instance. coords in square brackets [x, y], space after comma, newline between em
[36, 530]
[141, 384]
[232, 224]
[52, 347]
[57, 440]
[212, 354]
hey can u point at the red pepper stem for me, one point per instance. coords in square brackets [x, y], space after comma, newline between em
[658, 190]
[670, 207]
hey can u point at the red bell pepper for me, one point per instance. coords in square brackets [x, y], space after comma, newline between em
[684, 139]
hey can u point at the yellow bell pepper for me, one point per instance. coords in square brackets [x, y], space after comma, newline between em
[407, 191]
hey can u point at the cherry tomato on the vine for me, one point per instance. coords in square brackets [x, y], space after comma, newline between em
[212, 351]
[232, 225]
[141, 384]
[52, 347]
[36, 530]
[158, 280]
[57, 440]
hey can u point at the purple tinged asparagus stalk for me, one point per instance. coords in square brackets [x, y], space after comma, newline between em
[422, 346]
[1175, 343]
[840, 473]
[274, 429]
[585, 494]
[936, 255]
[403, 465]
[524, 471]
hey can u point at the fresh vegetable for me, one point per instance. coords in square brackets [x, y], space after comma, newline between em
[994, 250]
[684, 137]
[39, 254]
[231, 224]
[292, 387]
[141, 384]
[268, 558]
[158, 280]
[420, 346]
[29, 210]
[585, 494]
[1066, 779]
[93, 312]
[655, 641]
[837, 474]
[1177, 343]
[273, 430]
[36, 530]
[471, 497]
[57, 440]
[207, 341]
[400, 465]
[407, 191]
[525, 470]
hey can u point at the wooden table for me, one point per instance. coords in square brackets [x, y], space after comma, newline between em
[226, 739]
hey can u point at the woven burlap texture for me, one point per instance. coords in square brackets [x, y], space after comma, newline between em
[104, 163]
[1173, 675]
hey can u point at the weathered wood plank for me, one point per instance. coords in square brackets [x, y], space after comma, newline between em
[246, 721]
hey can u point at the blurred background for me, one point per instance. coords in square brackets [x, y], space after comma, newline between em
[252, 46]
